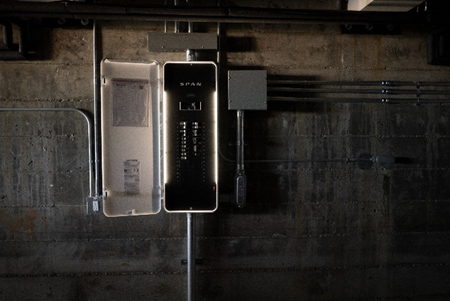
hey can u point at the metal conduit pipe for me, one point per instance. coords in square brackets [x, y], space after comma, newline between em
[90, 133]
[240, 182]
[280, 99]
[77, 10]
[240, 140]
[358, 91]
[355, 83]
[190, 217]
[97, 107]
[403, 91]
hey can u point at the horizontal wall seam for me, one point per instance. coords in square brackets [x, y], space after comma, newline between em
[268, 136]
[219, 238]
[13, 100]
[347, 69]
[96, 239]
[37, 207]
[60, 136]
[44, 63]
[31, 171]
[232, 271]
[382, 202]
[437, 136]
[380, 136]
[373, 169]
[282, 236]
[73, 275]
[306, 269]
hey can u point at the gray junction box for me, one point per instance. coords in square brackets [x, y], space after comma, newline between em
[247, 90]
[168, 42]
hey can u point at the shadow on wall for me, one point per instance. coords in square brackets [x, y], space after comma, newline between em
[271, 155]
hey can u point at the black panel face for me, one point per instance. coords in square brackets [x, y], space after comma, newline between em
[190, 137]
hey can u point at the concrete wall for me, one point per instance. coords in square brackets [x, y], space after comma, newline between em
[322, 229]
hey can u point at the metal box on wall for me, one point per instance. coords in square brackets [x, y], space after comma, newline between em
[190, 137]
[130, 138]
[247, 90]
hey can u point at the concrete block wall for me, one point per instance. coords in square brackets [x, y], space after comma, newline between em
[320, 229]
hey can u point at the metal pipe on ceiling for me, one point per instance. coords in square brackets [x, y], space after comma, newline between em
[272, 82]
[281, 99]
[358, 91]
[213, 14]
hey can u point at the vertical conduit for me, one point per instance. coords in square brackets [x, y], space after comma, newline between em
[190, 256]
[97, 104]
[177, 23]
[190, 56]
[240, 185]
[190, 217]
[240, 140]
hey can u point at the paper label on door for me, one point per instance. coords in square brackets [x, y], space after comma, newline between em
[131, 176]
[130, 103]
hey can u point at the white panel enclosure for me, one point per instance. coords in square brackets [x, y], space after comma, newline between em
[131, 138]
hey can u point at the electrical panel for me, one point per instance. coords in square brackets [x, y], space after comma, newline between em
[190, 137]
[130, 137]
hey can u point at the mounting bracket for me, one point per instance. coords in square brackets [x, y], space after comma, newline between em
[9, 50]
[94, 205]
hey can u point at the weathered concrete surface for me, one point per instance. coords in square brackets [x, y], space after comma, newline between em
[317, 228]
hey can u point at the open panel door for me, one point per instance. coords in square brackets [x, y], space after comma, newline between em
[131, 138]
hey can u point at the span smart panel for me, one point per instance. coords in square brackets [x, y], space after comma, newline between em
[190, 137]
